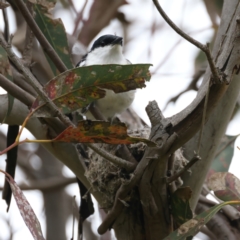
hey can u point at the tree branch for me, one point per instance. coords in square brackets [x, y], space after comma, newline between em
[204, 48]
[19, 80]
[16, 91]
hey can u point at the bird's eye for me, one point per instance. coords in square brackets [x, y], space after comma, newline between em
[102, 44]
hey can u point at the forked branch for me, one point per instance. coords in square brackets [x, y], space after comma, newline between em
[204, 48]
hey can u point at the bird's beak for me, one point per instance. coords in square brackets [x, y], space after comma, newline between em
[118, 40]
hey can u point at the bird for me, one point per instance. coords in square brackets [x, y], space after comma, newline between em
[107, 49]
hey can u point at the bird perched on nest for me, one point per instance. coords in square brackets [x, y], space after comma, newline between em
[107, 49]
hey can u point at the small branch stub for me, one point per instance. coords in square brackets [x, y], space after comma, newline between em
[154, 113]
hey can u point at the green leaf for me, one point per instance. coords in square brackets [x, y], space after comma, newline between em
[54, 31]
[99, 132]
[225, 186]
[78, 87]
[6, 71]
[180, 206]
[193, 226]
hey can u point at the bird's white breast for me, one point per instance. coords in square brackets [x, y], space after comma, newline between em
[112, 103]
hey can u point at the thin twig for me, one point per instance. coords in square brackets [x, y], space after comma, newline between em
[182, 171]
[204, 48]
[191, 86]
[73, 6]
[124, 152]
[113, 159]
[48, 184]
[41, 38]
[79, 17]
[166, 57]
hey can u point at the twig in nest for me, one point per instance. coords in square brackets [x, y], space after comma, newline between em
[182, 171]
[129, 166]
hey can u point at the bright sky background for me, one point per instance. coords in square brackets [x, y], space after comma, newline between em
[170, 79]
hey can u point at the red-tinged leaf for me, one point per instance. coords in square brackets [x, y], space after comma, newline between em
[78, 87]
[99, 132]
[25, 209]
[225, 186]
[180, 206]
[193, 226]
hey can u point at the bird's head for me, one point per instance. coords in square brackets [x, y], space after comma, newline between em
[110, 41]
[108, 48]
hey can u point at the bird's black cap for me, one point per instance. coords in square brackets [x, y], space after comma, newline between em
[107, 40]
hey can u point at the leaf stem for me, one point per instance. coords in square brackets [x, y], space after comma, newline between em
[23, 126]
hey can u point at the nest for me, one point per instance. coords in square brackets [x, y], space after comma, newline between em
[104, 176]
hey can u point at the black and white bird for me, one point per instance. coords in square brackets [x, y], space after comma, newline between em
[107, 49]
